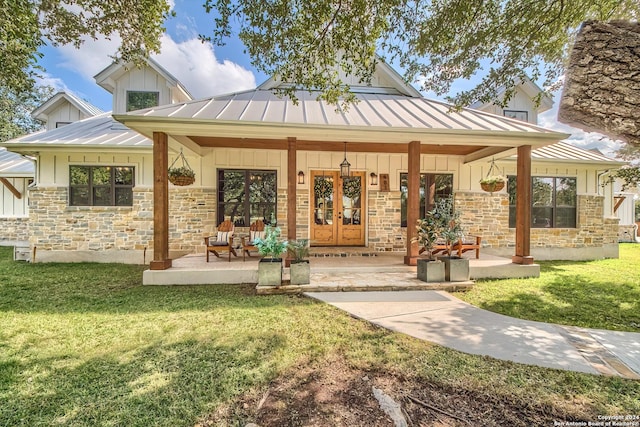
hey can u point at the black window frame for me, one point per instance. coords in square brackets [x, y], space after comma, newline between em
[550, 221]
[245, 219]
[514, 114]
[112, 186]
[128, 97]
[427, 201]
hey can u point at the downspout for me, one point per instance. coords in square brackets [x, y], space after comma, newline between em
[599, 175]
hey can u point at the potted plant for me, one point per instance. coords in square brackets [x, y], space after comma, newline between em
[270, 247]
[300, 270]
[456, 268]
[181, 176]
[428, 230]
[493, 183]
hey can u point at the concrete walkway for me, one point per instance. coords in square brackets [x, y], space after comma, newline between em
[438, 317]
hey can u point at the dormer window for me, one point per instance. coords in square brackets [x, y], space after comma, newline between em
[517, 114]
[138, 100]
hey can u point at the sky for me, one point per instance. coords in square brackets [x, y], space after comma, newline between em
[207, 70]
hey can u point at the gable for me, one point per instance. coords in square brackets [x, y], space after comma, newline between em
[385, 80]
[118, 79]
[63, 108]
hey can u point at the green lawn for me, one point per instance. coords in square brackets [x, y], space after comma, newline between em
[602, 294]
[86, 345]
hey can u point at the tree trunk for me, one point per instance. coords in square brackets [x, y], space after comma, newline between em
[602, 86]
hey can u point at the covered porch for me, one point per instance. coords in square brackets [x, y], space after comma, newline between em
[334, 269]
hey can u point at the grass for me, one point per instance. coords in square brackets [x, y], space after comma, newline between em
[85, 344]
[603, 294]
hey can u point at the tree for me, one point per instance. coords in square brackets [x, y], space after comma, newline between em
[15, 111]
[436, 41]
[26, 25]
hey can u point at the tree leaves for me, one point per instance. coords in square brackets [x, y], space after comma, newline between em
[436, 42]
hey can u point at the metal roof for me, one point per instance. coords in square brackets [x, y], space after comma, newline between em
[567, 152]
[12, 164]
[84, 106]
[101, 131]
[374, 110]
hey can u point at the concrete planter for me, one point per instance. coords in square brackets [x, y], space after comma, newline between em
[430, 270]
[455, 269]
[300, 272]
[270, 272]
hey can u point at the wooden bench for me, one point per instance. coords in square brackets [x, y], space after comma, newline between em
[468, 243]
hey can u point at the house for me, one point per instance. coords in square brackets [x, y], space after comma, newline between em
[102, 193]
[16, 174]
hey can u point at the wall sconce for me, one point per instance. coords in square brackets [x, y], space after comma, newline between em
[300, 177]
[374, 178]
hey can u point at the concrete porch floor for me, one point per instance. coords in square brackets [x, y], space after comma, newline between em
[332, 269]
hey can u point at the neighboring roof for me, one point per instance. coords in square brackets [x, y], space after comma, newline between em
[54, 102]
[569, 153]
[383, 72]
[372, 111]
[12, 164]
[530, 88]
[100, 131]
[106, 77]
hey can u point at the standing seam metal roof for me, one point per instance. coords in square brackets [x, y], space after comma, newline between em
[372, 110]
[101, 130]
[14, 164]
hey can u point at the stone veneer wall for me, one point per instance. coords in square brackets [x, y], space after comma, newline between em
[116, 231]
[384, 216]
[487, 215]
[14, 230]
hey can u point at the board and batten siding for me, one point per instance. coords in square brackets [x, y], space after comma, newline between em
[519, 102]
[140, 79]
[11, 206]
[54, 167]
[66, 113]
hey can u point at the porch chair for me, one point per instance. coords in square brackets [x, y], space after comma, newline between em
[468, 243]
[223, 241]
[255, 230]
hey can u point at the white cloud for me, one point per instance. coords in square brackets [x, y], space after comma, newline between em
[579, 138]
[194, 63]
[91, 58]
[56, 83]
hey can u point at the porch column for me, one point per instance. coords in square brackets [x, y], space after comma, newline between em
[523, 207]
[413, 201]
[161, 259]
[292, 177]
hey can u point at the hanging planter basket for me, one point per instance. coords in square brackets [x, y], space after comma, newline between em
[494, 180]
[492, 187]
[182, 175]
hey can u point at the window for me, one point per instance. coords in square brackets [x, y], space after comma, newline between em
[60, 124]
[432, 188]
[100, 186]
[246, 195]
[553, 202]
[137, 100]
[517, 114]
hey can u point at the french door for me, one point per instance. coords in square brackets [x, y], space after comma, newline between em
[337, 209]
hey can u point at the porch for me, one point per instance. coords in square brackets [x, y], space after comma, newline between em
[334, 269]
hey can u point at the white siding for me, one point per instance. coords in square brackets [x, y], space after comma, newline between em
[519, 102]
[140, 79]
[66, 113]
[54, 168]
[11, 206]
